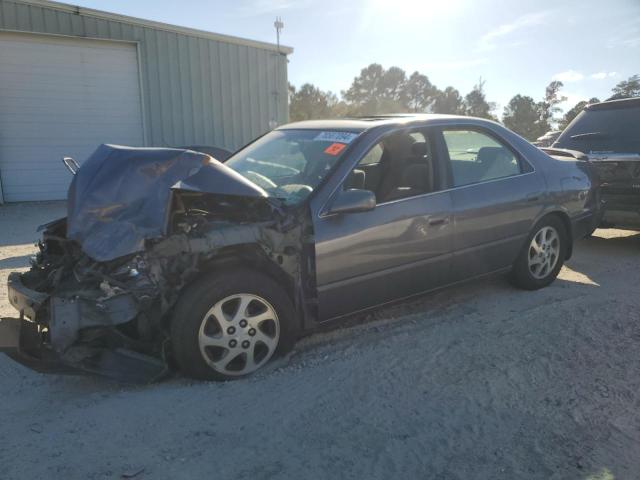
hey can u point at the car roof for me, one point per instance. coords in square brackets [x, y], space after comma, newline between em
[360, 124]
[615, 104]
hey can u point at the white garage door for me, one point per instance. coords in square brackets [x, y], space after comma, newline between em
[62, 96]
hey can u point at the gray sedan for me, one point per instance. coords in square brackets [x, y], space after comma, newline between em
[231, 262]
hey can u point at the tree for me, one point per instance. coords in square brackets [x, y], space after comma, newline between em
[475, 102]
[522, 115]
[393, 86]
[419, 92]
[548, 108]
[573, 113]
[363, 92]
[340, 108]
[377, 90]
[448, 101]
[310, 102]
[627, 88]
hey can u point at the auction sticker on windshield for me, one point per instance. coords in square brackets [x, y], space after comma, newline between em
[338, 137]
[335, 148]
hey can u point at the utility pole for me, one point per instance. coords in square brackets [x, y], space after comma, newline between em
[279, 24]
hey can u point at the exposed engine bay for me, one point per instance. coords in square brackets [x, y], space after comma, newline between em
[99, 294]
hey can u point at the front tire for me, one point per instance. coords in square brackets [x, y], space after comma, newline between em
[229, 324]
[542, 256]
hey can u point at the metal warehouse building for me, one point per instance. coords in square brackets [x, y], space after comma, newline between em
[72, 78]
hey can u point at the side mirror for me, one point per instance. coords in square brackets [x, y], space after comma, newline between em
[353, 200]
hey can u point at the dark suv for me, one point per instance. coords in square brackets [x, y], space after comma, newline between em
[608, 135]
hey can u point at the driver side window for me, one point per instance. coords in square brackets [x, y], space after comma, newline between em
[400, 165]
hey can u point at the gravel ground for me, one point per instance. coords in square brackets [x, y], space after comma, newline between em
[478, 381]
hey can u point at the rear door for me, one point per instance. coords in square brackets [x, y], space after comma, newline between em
[495, 194]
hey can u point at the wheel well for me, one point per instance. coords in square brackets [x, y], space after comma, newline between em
[564, 218]
[252, 257]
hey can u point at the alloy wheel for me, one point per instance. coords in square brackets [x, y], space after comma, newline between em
[239, 334]
[544, 251]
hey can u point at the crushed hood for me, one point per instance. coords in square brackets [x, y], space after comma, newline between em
[121, 196]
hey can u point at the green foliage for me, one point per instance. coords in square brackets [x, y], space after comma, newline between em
[573, 113]
[419, 92]
[310, 102]
[448, 101]
[548, 108]
[627, 88]
[475, 102]
[533, 119]
[522, 115]
[377, 91]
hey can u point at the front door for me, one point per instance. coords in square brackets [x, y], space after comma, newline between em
[401, 247]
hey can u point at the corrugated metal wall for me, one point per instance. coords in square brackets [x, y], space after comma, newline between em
[195, 90]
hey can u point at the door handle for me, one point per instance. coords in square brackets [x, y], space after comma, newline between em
[438, 221]
[533, 197]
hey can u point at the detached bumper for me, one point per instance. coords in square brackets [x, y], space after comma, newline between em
[52, 345]
[23, 299]
[21, 341]
[20, 338]
[65, 317]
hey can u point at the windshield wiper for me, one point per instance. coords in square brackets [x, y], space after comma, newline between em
[580, 136]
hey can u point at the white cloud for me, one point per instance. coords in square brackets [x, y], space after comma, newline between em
[603, 75]
[488, 40]
[568, 76]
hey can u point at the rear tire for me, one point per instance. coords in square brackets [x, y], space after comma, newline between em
[229, 324]
[542, 255]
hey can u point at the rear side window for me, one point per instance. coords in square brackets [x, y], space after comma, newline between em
[477, 157]
[603, 131]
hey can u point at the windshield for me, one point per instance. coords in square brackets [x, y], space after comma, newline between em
[290, 164]
[603, 131]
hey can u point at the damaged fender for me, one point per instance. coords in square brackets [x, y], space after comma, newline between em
[142, 224]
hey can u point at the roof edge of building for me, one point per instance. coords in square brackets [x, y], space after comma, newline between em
[157, 25]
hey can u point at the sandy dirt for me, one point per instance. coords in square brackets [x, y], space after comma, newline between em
[479, 381]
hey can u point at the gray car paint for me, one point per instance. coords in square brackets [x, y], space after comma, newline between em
[330, 264]
[370, 258]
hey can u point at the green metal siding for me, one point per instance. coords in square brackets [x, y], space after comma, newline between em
[196, 91]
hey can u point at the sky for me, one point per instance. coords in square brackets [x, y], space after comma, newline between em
[514, 46]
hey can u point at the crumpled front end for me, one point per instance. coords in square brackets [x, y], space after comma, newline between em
[112, 318]
[90, 309]
[77, 314]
